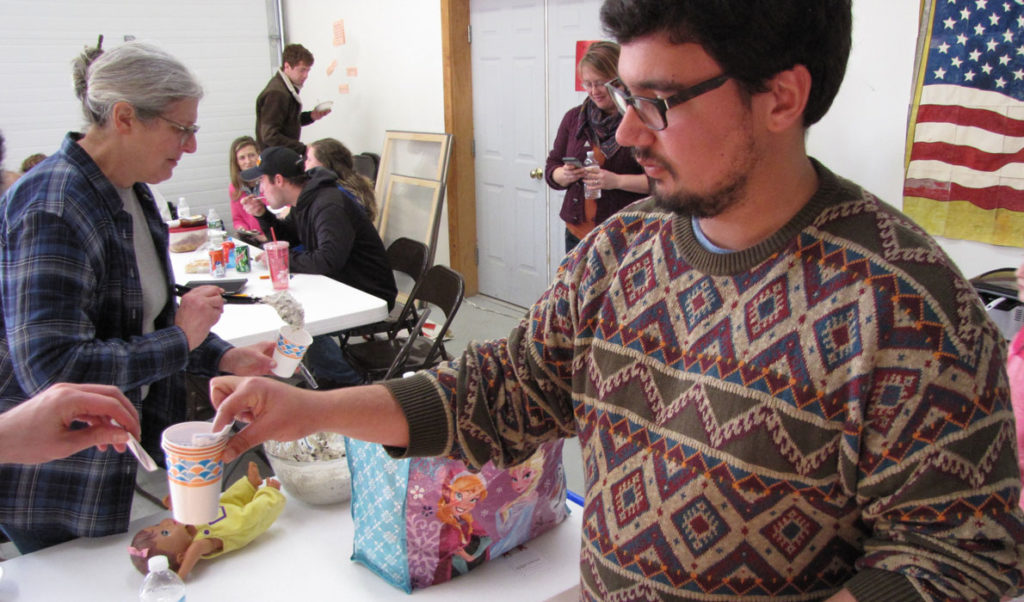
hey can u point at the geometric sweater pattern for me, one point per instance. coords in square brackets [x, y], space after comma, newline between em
[826, 409]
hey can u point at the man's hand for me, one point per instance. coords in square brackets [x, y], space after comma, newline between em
[273, 409]
[319, 114]
[253, 205]
[39, 429]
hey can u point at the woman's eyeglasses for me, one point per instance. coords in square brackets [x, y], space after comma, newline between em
[187, 131]
[652, 111]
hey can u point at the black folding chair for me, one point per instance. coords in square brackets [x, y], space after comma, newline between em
[441, 288]
[408, 257]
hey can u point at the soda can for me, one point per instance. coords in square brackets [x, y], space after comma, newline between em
[242, 259]
[217, 267]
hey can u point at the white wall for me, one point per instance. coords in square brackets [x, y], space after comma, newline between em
[396, 47]
[224, 42]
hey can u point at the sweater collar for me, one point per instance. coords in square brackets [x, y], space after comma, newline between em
[727, 264]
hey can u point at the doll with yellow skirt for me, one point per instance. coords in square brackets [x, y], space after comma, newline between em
[247, 510]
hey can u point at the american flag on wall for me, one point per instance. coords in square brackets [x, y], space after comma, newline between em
[965, 149]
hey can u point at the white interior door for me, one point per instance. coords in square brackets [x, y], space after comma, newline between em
[509, 88]
[523, 62]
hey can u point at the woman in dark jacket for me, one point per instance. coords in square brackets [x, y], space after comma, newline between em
[591, 126]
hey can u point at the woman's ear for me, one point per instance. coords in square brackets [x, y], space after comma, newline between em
[787, 96]
[123, 117]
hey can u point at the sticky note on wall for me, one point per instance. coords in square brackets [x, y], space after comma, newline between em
[339, 32]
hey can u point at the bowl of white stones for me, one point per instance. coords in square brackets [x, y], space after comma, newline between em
[313, 469]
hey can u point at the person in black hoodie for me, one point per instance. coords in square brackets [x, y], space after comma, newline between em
[328, 233]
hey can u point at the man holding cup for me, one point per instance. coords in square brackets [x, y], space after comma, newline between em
[328, 233]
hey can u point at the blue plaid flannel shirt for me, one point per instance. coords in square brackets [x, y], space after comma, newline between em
[71, 309]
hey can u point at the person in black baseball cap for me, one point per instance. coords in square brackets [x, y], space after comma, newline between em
[276, 160]
[328, 233]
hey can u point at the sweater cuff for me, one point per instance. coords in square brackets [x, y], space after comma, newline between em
[425, 412]
[876, 584]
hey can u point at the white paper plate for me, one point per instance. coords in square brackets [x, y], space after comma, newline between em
[324, 106]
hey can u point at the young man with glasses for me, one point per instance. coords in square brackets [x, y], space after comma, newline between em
[782, 386]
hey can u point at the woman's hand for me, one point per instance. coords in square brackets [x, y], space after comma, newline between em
[198, 310]
[253, 205]
[253, 360]
[567, 174]
[39, 429]
[601, 178]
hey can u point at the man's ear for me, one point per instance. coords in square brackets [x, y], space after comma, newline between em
[278, 180]
[787, 95]
[123, 117]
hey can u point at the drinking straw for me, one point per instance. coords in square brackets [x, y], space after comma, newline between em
[272, 235]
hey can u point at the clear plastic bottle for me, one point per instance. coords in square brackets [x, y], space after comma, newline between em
[590, 165]
[161, 584]
[213, 221]
[183, 208]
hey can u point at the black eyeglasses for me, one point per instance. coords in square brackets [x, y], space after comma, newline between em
[652, 110]
[187, 131]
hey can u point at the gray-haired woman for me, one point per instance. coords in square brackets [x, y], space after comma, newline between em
[86, 289]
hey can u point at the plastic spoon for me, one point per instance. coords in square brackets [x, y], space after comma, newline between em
[140, 454]
[211, 437]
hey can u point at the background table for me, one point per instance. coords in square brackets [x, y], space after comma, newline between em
[305, 555]
[329, 305]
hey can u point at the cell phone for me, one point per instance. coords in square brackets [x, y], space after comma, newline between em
[572, 161]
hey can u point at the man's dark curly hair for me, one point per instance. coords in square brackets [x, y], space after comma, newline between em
[752, 40]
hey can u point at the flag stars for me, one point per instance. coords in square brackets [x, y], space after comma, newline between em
[965, 14]
[962, 40]
[969, 76]
[992, 45]
[1004, 60]
[993, 19]
[987, 69]
[1020, 50]
[979, 29]
[1008, 36]
[950, 22]
[981, 4]
[1018, 74]
[1020, 22]
[1006, 7]
[944, 48]
[975, 55]
[956, 62]
[940, 73]
[1000, 83]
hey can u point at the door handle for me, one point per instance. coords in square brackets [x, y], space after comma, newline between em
[537, 174]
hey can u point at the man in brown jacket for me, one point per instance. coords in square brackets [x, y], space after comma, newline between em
[279, 114]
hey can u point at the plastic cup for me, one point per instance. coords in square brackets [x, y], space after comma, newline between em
[291, 346]
[194, 473]
[276, 255]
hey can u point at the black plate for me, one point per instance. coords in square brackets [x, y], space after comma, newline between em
[231, 286]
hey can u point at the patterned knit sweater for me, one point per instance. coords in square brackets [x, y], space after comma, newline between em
[826, 409]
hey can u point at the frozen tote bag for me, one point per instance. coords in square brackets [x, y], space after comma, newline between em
[423, 521]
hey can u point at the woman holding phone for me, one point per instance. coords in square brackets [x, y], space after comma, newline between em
[591, 127]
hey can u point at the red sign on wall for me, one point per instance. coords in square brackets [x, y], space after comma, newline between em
[581, 49]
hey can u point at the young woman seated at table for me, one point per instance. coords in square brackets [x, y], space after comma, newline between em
[335, 156]
[243, 155]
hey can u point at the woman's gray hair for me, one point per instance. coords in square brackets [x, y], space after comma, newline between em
[138, 73]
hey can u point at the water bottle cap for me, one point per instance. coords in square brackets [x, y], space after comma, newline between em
[158, 563]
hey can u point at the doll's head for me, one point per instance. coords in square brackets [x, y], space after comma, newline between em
[460, 496]
[167, 538]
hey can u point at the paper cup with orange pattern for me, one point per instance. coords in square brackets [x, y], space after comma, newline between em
[194, 472]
